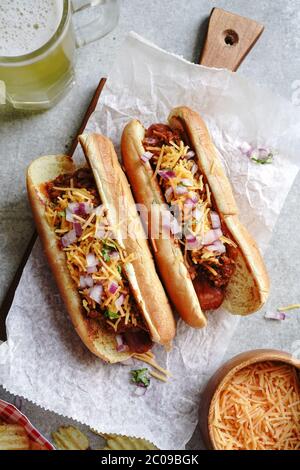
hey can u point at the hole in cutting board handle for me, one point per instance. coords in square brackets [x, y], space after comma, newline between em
[231, 38]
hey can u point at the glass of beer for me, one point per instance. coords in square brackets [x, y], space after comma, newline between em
[38, 39]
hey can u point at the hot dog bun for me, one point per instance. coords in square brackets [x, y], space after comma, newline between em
[114, 190]
[249, 286]
[168, 255]
[97, 338]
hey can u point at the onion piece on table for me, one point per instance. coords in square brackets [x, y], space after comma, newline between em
[140, 391]
[279, 316]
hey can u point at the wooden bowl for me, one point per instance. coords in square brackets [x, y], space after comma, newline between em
[223, 374]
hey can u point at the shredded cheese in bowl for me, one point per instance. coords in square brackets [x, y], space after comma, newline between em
[258, 408]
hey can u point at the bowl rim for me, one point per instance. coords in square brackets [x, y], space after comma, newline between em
[236, 363]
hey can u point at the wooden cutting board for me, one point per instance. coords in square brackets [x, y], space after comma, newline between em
[229, 39]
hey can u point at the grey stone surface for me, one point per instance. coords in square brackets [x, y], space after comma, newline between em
[178, 27]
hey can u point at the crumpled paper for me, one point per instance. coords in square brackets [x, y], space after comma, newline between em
[44, 360]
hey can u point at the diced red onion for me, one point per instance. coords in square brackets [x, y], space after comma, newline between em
[191, 238]
[91, 260]
[96, 292]
[146, 157]
[197, 214]
[217, 246]
[80, 208]
[170, 222]
[69, 238]
[246, 149]
[86, 281]
[193, 196]
[275, 316]
[211, 236]
[140, 391]
[175, 227]
[92, 269]
[113, 287]
[69, 215]
[179, 190]
[194, 169]
[168, 194]
[194, 244]
[186, 182]
[100, 231]
[114, 255]
[167, 174]
[85, 208]
[190, 202]
[215, 220]
[89, 281]
[99, 210]
[73, 207]
[190, 154]
[150, 140]
[121, 346]
[120, 300]
[78, 229]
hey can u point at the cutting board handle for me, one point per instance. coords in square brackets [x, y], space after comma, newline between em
[229, 39]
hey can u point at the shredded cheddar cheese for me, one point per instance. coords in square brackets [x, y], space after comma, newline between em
[149, 359]
[187, 190]
[113, 302]
[259, 409]
[289, 307]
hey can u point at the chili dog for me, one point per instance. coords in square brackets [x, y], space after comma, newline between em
[106, 282]
[215, 262]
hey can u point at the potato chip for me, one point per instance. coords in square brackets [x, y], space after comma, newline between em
[70, 438]
[13, 437]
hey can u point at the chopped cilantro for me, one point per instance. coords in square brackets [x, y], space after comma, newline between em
[111, 315]
[119, 269]
[263, 161]
[105, 254]
[108, 244]
[140, 377]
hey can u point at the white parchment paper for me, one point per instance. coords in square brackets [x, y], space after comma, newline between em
[44, 360]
